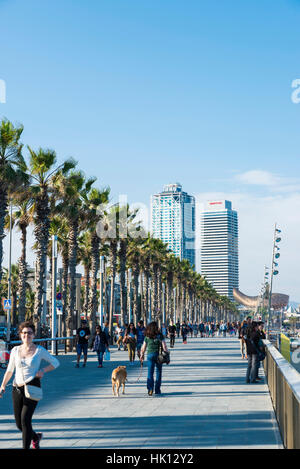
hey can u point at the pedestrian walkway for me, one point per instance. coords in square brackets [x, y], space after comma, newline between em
[205, 404]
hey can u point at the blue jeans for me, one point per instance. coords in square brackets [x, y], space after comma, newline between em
[152, 364]
[100, 357]
[252, 370]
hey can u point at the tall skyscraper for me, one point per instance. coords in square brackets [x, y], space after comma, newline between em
[219, 246]
[173, 220]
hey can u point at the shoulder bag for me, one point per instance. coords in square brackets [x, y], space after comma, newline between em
[163, 357]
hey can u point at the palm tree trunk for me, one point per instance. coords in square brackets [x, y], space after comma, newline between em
[155, 292]
[95, 265]
[123, 292]
[136, 309]
[3, 212]
[41, 232]
[146, 297]
[22, 275]
[86, 288]
[113, 267]
[72, 267]
[169, 308]
[65, 270]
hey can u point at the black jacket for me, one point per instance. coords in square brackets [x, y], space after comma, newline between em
[252, 337]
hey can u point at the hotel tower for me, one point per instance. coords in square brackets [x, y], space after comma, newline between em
[173, 220]
[219, 246]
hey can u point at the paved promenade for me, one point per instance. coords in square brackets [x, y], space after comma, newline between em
[205, 404]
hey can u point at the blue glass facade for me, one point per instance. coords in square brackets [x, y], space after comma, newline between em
[173, 220]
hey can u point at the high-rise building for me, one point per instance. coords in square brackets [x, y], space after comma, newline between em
[219, 246]
[173, 220]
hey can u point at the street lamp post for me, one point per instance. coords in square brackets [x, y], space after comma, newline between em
[54, 281]
[274, 271]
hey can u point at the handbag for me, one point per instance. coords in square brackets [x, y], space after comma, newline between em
[163, 357]
[32, 392]
[107, 355]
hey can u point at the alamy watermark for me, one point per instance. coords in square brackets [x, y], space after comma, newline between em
[2, 92]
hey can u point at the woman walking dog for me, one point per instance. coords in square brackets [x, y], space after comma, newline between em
[153, 341]
[25, 360]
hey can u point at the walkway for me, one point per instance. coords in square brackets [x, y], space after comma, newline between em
[205, 404]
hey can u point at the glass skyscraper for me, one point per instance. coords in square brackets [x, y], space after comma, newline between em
[173, 220]
[219, 246]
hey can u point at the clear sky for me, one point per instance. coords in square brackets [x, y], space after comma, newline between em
[143, 93]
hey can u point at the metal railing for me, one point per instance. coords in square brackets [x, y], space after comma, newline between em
[44, 342]
[284, 386]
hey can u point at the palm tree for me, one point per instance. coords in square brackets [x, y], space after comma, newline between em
[42, 169]
[135, 253]
[159, 251]
[94, 205]
[69, 189]
[12, 170]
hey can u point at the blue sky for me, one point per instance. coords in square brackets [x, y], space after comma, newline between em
[145, 93]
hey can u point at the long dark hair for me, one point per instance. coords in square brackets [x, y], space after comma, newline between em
[152, 330]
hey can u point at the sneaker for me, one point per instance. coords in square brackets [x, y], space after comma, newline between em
[77, 365]
[36, 443]
[150, 392]
[100, 366]
[83, 366]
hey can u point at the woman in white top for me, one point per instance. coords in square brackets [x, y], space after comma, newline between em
[25, 360]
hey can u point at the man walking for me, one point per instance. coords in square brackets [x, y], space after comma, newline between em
[83, 334]
[172, 332]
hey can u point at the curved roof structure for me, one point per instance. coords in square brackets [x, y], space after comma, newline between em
[279, 300]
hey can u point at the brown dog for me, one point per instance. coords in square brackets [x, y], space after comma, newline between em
[118, 378]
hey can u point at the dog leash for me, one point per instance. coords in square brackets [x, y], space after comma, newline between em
[141, 371]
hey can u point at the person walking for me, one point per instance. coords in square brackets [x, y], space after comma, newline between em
[119, 335]
[100, 345]
[152, 343]
[83, 334]
[184, 332]
[252, 343]
[25, 361]
[172, 333]
[241, 333]
[130, 340]
[140, 335]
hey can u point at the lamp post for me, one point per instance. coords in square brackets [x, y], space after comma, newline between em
[102, 266]
[54, 280]
[274, 271]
